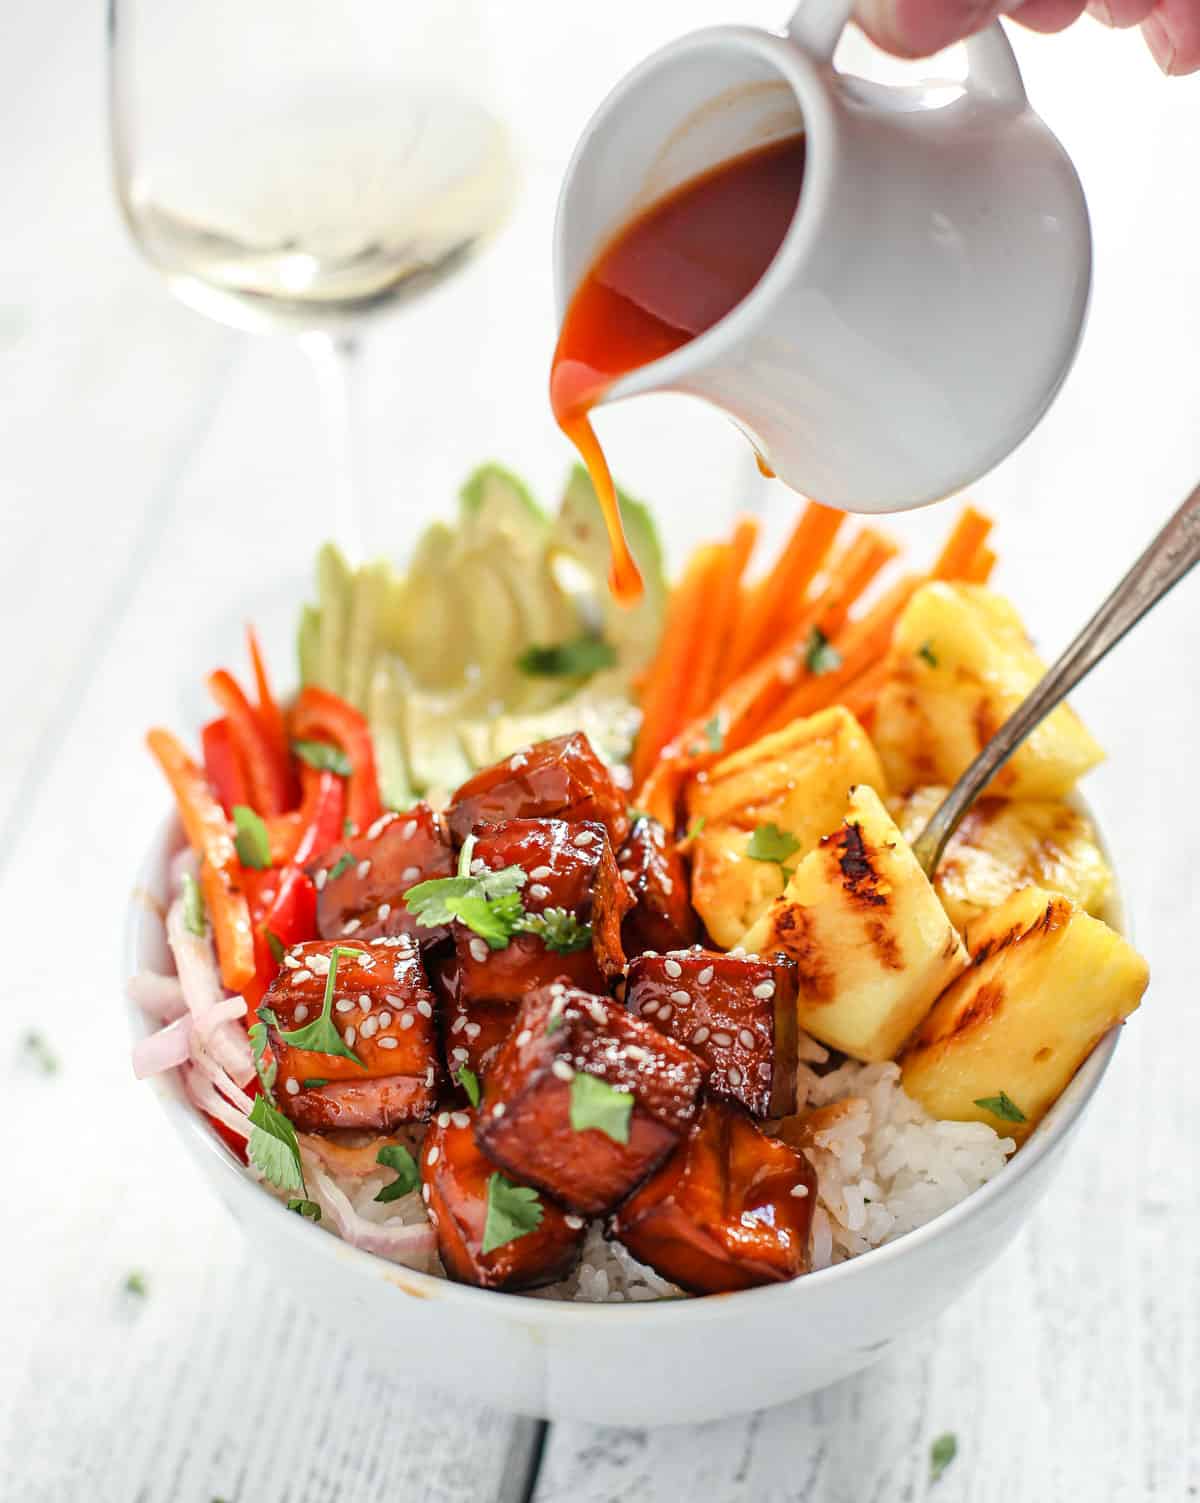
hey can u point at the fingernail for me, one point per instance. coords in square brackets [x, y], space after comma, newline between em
[1158, 39]
[1101, 10]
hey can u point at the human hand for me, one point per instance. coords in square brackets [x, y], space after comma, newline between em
[915, 28]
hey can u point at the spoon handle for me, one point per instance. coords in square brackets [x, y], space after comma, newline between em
[1168, 558]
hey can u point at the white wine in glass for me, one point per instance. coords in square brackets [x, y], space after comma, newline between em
[292, 166]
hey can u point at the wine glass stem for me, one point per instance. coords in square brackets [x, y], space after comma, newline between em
[337, 363]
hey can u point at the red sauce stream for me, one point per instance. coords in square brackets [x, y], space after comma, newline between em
[670, 274]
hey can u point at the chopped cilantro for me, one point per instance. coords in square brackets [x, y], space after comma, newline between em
[321, 1035]
[268, 1015]
[636, 814]
[927, 655]
[252, 842]
[273, 1149]
[343, 864]
[820, 655]
[323, 756]
[488, 903]
[770, 843]
[941, 1453]
[470, 1084]
[1002, 1106]
[135, 1283]
[275, 945]
[558, 929]
[257, 1034]
[307, 1208]
[595, 1103]
[313, 1082]
[714, 733]
[512, 1211]
[194, 920]
[553, 1023]
[41, 1053]
[349, 828]
[695, 829]
[396, 1156]
[579, 658]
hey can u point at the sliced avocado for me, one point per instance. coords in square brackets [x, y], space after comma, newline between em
[368, 590]
[493, 498]
[308, 639]
[334, 578]
[385, 714]
[579, 534]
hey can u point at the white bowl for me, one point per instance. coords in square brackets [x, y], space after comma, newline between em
[659, 1363]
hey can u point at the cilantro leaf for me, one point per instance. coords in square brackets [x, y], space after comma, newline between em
[927, 655]
[253, 843]
[595, 1103]
[1002, 1106]
[323, 756]
[576, 659]
[307, 1208]
[313, 1082]
[770, 843]
[820, 655]
[941, 1453]
[273, 1149]
[275, 945]
[396, 1156]
[194, 920]
[321, 1035]
[558, 929]
[268, 1015]
[696, 828]
[257, 1034]
[487, 902]
[135, 1283]
[470, 1084]
[343, 864]
[496, 922]
[512, 1211]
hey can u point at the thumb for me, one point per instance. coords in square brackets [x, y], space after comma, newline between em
[917, 28]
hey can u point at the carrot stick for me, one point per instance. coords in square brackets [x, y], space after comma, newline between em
[979, 570]
[966, 538]
[220, 870]
[775, 598]
[724, 592]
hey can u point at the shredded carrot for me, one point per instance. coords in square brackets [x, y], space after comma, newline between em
[860, 696]
[966, 538]
[220, 870]
[979, 570]
[269, 710]
[712, 644]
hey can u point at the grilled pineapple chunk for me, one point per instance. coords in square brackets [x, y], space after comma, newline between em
[797, 779]
[1047, 983]
[871, 941]
[1002, 846]
[959, 665]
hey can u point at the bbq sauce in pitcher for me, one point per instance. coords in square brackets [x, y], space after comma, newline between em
[670, 274]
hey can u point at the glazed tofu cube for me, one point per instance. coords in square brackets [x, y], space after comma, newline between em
[1047, 983]
[560, 779]
[365, 899]
[460, 1187]
[731, 1208]
[661, 917]
[381, 1009]
[872, 944]
[585, 1100]
[735, 1013]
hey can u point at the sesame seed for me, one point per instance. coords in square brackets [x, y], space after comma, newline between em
[668, 885]
[649, 954]
[460, 1054]
[433, 1155]
[627, 875]
[799, 1191]
[364, 1002]
[321, 878]
[460, 1119]
[574, 1222]
[538, 891]
[479, 950]
[649, 1008]
[585, 837]
[517, 761]
[383, 911]
[596, 1009]
[746, 1038]
[425, 1193]
[292, 1088]
[562, 1070]
[429, 1076]
[385, 1018]
[540, 873]
[409, 830]
[683, 998]
[291, 962]
[498, 1109]
[765, 989]
[673, 969]
[738, 950]
[700, 1035]
[459, 1024]
[472, 1030]
[406, 1021]
[705, 976]
[665, 1011]
[320, 965]
[300, 1013]
[301, 975]
[352, 926]
[735, 1076]
[410, 874]
[388, 1043]
[369, 1029]
[344, 1005]
[424, 1008]
[523, 1038]
[722, 1038]
[363, 869]
[351, 1035]
[382, 823]
[443, 1119]
[558, 989]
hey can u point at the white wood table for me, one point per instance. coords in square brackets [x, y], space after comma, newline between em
[161, 479]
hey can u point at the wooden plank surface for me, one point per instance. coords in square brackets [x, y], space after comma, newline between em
[161, 479]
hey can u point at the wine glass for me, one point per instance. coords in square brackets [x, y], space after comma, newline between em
[292, 165]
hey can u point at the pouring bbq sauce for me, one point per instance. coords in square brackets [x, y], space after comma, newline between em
[671, 273]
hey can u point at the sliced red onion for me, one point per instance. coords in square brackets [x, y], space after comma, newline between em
[208, 1067]
[196, 963]
[402, 1244]
[183, 863]
[209, 1100]
[160, 996]
[162, 1050]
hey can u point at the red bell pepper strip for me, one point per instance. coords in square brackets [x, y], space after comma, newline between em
[220, 870]
[269, 713]
[267, 770]
[318, 713]
[223, 766]
[303, 834]
[291, 916]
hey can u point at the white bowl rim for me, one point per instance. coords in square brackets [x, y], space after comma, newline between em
[522, 1309]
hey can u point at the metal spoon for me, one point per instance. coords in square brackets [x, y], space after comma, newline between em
[1168, 558]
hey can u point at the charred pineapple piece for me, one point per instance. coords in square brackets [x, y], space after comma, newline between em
[1003, 845]
[661, 917]
[872, 944]
[796, 779]
[585, 1100]
[460, 1190]
[1046, 984]
[959, 665]
[559, 779]
[382, 1010]
[731, 1208]
[365, 899]
[736, 1013]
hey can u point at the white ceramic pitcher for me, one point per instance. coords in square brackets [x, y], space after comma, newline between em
[930, 293]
